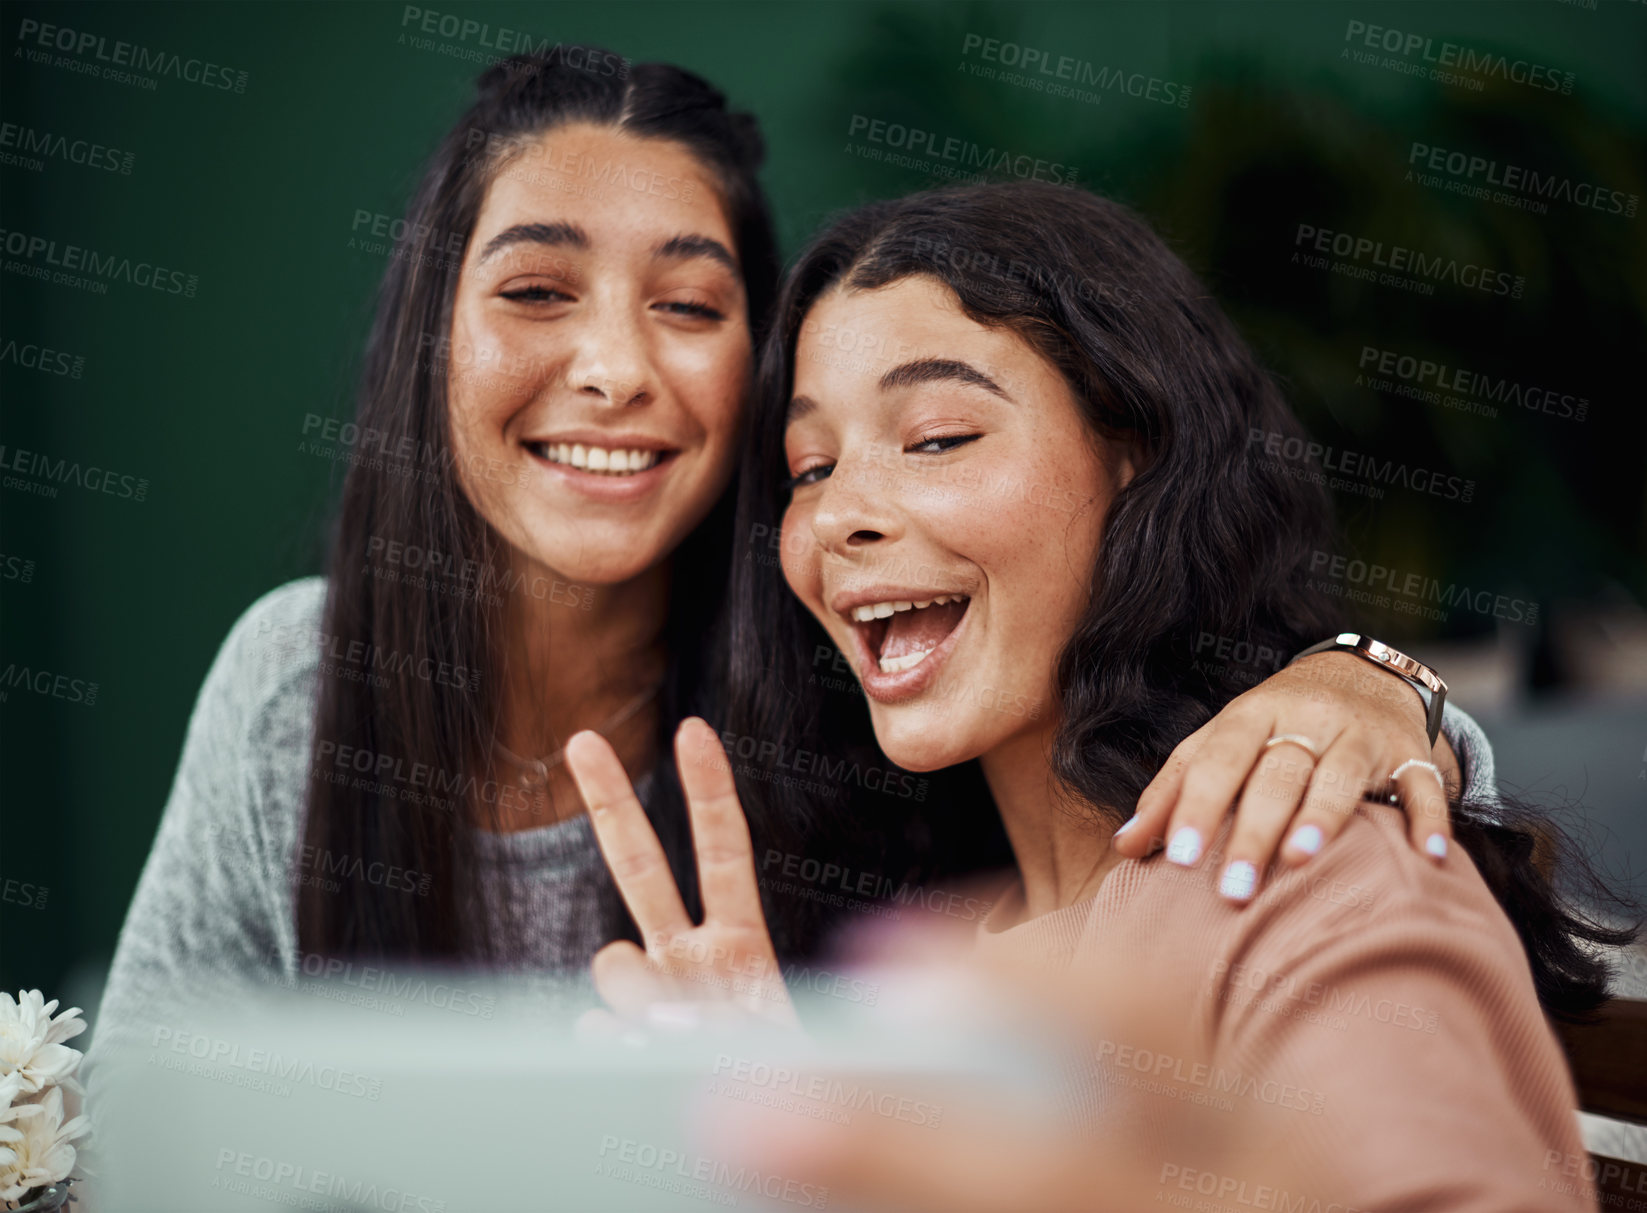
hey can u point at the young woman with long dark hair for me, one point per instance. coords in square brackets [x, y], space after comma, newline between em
[896, 480]
[534, 537]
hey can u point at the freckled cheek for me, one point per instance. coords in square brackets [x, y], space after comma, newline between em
[471, 423]
[711, 384]
[798, 554]
[987, 512]
[1013, 526]
[491, 373]
[1048, 604]
[473, 339]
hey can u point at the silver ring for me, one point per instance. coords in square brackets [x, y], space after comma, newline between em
[1428, 766]
[1302, 742]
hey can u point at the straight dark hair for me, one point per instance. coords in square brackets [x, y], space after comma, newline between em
[355, 809]
[1205, 539]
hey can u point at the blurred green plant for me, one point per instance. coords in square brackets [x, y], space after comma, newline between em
[1559, 508]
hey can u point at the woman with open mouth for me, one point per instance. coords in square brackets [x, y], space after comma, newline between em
[1014, 511]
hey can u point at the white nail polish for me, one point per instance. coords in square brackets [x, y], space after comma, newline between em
[1307, 839]
[1436, 845]
[1185, 847]
[1240, 879]
[1130, 822]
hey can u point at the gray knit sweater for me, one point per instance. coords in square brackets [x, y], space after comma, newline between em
[215, 902]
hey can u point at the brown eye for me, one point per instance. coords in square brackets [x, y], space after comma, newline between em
[535, 294]
[811, 475]
[936, 446]
[691, 309]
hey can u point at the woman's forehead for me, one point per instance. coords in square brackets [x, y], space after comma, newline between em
[614, 185]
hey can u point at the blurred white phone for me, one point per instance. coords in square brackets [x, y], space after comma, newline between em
[277, 1099]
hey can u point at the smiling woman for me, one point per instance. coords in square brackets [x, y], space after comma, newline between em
[966, 446]
[642, 308]
[1070, 469]
[563, 338]
[615, 326]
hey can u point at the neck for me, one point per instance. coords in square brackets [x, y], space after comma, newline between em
[596, 634]
[573, 658]
[1062, 856]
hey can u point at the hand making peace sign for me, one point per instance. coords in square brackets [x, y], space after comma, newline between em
[728, 958]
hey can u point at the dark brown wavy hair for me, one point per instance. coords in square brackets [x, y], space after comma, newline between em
[448, 727]
[1203, 540]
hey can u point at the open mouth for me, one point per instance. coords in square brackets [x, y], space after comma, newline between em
[603, 461]
[903, 633]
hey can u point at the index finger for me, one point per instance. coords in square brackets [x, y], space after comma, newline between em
[720, 834]
[1149, 817]
[631, 848]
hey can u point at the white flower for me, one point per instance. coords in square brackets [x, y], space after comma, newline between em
[40, 1153]
[31, 1040]
[10, 1110]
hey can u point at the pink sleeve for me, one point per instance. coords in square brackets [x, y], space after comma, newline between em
[1431, 1079]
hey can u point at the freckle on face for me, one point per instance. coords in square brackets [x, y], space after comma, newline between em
[607, 342]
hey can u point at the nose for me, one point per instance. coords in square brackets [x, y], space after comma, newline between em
[853, 512]
[610, 360]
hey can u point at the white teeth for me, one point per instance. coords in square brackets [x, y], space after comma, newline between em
[881, 610]
[894, 665]
[598, 458]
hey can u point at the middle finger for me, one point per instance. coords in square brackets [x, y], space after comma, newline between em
[1210, 785]
[1271, 796]
[720, 833]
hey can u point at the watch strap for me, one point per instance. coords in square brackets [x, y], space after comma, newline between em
[1431, 690]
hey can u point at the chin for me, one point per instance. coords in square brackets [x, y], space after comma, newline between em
[604, 568]
[922, 746]
[599, 553]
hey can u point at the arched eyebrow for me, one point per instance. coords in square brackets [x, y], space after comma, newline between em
[570, 235]
[551, 235]
[799, 407]
[683, 247]
[933, 370]
[908, 374]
